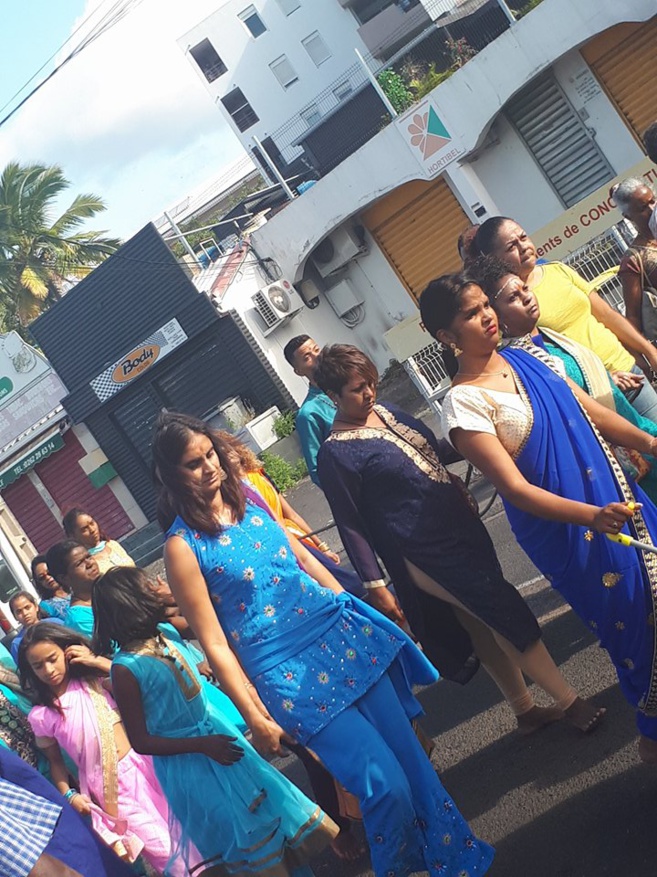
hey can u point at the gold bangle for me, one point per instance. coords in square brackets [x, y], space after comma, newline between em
[323, 546]
[248, 685]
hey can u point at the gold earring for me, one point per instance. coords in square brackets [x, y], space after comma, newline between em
[455, 350]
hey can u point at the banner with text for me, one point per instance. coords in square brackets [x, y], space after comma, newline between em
[138, 360]
[588, 218]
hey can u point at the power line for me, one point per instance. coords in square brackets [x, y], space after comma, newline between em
[116, 13]
[48, 60]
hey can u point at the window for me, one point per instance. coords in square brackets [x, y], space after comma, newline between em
[208, 60]
[288, 6]
[311, 115]
[316, 48]
[343, 90]
[252, 21]
[239, 109]
[283, 71]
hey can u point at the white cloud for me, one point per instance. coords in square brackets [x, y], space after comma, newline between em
[128, 118]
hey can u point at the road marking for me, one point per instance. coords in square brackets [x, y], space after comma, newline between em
[531, 582]
[554, 613]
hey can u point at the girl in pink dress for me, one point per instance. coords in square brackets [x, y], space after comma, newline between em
[77, 714]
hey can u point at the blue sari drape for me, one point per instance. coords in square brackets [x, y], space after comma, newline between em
[612, 588]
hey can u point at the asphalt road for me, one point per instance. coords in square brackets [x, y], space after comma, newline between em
[556, 804]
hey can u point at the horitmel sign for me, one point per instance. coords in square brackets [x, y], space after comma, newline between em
[138, 360]
[426, 135]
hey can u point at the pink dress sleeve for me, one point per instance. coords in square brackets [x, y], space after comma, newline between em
[44, 724]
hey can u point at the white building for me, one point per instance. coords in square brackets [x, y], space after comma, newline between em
[537, 125]
[277, 68]
[265, 62]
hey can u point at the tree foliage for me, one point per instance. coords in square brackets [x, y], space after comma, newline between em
[41, 253]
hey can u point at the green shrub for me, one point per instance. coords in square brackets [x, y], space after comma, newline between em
[284, 475]
[423, 84]
[284, 424]
[395, 90]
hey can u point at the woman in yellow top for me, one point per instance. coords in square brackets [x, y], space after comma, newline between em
[571, 306]
[80, 525]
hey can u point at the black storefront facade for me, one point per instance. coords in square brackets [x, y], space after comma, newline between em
[136, 336]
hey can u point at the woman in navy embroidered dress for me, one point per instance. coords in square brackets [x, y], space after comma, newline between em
[315, 664]
[391, 495]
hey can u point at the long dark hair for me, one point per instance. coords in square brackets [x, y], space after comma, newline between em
[439, 305]
[70, 523]
[42, 591]
[173, 432]
[126, 608]
[45, 632]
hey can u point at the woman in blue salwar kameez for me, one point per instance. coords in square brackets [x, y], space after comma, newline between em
[542, 441]
[301, 658]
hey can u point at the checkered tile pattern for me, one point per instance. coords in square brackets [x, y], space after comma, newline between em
[104, 387]
[27, 823]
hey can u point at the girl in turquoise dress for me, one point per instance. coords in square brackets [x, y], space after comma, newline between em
[236, 810]
[324, 668]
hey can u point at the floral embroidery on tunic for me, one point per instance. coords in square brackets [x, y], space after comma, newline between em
[610, 579]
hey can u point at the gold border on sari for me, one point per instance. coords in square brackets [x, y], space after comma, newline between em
[637, 524]
[157, 647]
[640, 531]
[106, 719]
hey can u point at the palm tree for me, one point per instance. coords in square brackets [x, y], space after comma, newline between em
[39, 257]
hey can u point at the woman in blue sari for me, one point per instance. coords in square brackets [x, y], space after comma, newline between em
[302, 659]
[542, 441]
[519, 314]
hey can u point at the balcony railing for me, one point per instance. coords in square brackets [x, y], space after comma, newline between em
[349, 112]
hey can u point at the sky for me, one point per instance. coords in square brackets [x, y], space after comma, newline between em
[128, 119]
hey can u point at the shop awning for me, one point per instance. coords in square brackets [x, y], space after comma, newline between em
[30, 457]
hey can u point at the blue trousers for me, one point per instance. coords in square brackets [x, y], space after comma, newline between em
[646, 400]
[411, 822]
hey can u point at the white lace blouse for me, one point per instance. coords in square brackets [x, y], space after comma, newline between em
[479, 409]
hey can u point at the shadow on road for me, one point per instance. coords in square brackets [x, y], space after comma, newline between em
[589, 834]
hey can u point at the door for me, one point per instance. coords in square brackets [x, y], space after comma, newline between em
[417, 226]
[623, 60]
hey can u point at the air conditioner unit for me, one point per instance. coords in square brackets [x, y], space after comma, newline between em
[337, 250]
[276, 304]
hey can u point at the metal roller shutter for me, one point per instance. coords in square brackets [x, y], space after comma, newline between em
[31, 512]
[68, 485]
[623, 59]
[417, 227]
[560, 142]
